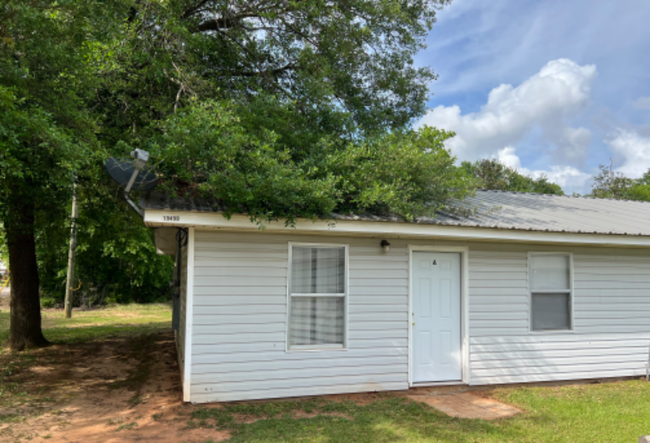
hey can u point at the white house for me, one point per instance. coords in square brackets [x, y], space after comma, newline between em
[533, 288]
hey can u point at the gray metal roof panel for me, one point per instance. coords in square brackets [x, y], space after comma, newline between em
[495, 209]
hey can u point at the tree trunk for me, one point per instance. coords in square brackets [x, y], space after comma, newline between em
[25, 327]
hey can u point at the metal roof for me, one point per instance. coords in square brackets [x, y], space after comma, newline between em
[496, 210]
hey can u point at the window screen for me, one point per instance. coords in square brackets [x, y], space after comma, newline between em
[317, 296]
[551, 311]
[550, 288]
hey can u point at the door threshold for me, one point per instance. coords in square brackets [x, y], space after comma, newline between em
[424, 384]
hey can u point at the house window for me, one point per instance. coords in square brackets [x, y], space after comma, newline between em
[550, 292]
[317, 289]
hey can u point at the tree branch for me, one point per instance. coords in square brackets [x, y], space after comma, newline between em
[274, 71]
[193, 9]
[223, 22]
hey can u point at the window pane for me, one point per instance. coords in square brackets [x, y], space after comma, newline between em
[301, 271]
[551, 312]
[318, 270]
[316, 321]
[549, 272]
[330, 270]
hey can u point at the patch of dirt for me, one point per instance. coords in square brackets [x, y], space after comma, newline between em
[363, 399]
[297, 414]
[466, 405]
[5, 298]
[303, 414]
[109, 391]
[246, 418]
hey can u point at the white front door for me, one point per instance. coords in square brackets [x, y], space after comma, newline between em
[436, 317]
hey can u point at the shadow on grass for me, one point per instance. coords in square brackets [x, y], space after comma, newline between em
[83, 334]
[92, 325]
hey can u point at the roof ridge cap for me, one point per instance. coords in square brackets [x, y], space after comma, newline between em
[588, 197]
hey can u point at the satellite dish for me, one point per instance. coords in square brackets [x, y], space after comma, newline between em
[122, 170]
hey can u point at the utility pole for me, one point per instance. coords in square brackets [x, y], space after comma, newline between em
[71, 253]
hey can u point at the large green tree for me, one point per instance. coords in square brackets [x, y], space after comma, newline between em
[610, 184]
[294, 108]
[403, 172]
[277, 108]
[48, 131]
[337, 66]
[494, 175]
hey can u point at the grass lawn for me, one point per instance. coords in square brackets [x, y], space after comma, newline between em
[608, 412]
[96, 324]
[113, 373]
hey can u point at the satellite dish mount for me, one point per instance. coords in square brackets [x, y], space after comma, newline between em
[132, 175]
[141, 158]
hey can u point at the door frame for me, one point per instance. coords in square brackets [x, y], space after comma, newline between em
[464, 311]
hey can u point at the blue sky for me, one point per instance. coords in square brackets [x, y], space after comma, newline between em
[554, 87]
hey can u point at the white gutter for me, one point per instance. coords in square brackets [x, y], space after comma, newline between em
[215, 220]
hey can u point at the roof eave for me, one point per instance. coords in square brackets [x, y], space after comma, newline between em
[216, 221]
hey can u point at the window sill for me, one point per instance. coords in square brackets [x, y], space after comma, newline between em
[315, 349]
[553, 332]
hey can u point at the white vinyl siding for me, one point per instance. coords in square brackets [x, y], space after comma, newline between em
[240, 318]
[240, 321]
[611, 330]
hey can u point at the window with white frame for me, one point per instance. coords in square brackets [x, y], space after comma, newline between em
[317, 293]
[550, 292]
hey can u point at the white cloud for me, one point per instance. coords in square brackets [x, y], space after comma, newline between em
[569, 178]
[642, 103]
[560, 89]
[572, 143]
[634, 148]
[507, 157]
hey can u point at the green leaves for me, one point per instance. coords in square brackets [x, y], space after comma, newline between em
[353, 57]
[608, 184]
[55, 58]
[407, 173]
[490, 174]
[46, 130]
[209, 153]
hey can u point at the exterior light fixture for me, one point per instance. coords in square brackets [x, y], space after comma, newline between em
[385, 246]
